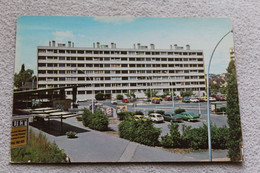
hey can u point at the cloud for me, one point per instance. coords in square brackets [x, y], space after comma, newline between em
[115, 20]
[63, 35]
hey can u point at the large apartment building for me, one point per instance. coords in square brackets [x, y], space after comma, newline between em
[112, 70]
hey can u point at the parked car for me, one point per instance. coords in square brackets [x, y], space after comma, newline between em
[113, 101]
[212, 99]
[220, 97]
[156, 117]
[201, 99]
[188, 116]
[169, 116]
[132, 100]
[168, 98]
[139, 117]
[156, 101]
[186, 99]
[125, 101]
[194, 100]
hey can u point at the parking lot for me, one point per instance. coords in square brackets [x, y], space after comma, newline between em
[167, 106]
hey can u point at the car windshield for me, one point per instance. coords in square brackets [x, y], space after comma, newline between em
[192, 114]
[159, 116]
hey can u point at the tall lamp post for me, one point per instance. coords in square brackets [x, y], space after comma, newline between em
[92, 107]
[208, 105]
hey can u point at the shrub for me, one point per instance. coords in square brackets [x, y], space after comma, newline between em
[174, 140]
[96, 121]
[87, 116]
[160, 112]
[139, 113]
[38, 150]
[99, 121]
[125, 115]
[150, 111]
[178, 111]
[119, 97]
[100, 96]
[139, 131]
[71, 134]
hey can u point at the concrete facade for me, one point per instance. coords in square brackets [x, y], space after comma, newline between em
[112, 70]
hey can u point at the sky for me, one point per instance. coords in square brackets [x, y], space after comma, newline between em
[199, 33]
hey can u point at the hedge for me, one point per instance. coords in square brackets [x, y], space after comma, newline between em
[178, 111]
[142, 132]
[196, 138]
[97, 121]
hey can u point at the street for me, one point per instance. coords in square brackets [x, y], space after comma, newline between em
[219, 120]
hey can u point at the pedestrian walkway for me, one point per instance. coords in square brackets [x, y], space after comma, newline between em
[94, 146]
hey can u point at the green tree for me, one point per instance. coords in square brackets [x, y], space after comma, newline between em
[23, 76]
[214, 88]
[131, 94]
[233, 114]
[223, 90]
[186, 93]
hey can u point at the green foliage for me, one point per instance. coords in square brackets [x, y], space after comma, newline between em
[223, 90]
[139, 113]
[214, 88]
[71, 134]
[86, 117]
[187, 93]
[23, 76]
[131, 94]
[148, 93]
[160, 112]
[178, 111]
[174, 139]
[233, 114]
[39, 150]
[166, 93]
[139, 131]
[100, 96]
[196, 138]
[119, 97]
[97, 121]
[221, 109]
[150, 111]
[126, 115]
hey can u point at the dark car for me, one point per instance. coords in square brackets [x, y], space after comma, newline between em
[186, 99]
[169, 116]
[188, 116]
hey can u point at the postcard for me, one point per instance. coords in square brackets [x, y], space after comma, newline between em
[125, 89]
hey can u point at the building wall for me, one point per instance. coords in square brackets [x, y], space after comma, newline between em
[112, 70]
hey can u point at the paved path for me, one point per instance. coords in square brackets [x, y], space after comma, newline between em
[95, 146]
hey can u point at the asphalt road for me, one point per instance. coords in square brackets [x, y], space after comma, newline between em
[219, 120]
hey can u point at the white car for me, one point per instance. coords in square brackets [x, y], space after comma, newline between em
[212, 99]
[156, 117]
[194, 100]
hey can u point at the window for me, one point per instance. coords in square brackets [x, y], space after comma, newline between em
[61, 58]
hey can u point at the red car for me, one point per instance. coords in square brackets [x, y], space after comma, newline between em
[125, 101]
[168, 99]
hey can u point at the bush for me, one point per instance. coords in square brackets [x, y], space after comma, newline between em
[160, 112]
[87, 116]
[178, 111]
[151, 111]
[38, 150]
[119, 97]
[142, 132]
[174, 140]
[196, 138]
[71, 134]
[97, 121]
[139, 113]
[100, 96]
[125, 115]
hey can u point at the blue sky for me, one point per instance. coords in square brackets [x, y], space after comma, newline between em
[199, 33]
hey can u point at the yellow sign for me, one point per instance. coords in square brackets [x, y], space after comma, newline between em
[19, 134]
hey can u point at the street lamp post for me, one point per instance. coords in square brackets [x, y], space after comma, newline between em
[93, 95]
[208, 106]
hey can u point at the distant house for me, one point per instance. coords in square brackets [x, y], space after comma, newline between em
[29, 86]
